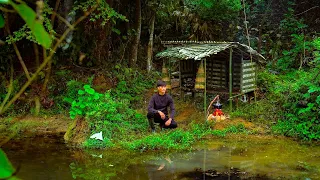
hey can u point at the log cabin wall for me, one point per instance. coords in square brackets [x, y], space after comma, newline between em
[216, 72]
[236, 73]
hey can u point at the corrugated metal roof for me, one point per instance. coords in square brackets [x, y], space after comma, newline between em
[198, 50]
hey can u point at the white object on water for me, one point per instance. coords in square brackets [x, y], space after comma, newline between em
[97, 136]
[99, 156]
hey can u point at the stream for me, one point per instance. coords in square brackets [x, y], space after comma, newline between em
[235, 157]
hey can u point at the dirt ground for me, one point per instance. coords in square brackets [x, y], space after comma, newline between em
[56, 124]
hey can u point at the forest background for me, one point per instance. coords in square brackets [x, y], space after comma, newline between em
[95, 59]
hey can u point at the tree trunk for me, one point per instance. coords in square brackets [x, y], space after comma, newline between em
[64, 11]
[47, 74]
[150, 44]
[37, 96]
[260, 40]
[62, 27]
[136, 40]
[10, 88]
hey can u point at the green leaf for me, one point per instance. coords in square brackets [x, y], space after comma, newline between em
[96, 96]
[6, 169]
[313, 89]
[81, 92]
[285, 53]
[29, 16]
[318, 100]
[91, 91]
[116, 31]
[307, 95]
[4, 1]
[1, 21]
[79, 112]
[67, 99]
[74, 103]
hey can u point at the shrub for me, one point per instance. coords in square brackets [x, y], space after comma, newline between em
[104, 113]
[298, 98]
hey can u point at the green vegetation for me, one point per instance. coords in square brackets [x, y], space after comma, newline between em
[111, 112]
[121, 126]
[240, 128]
[289, 96]
[87, 58]
[215, 10]
[103, 113]
[94, 75]
[290, 105]
[180, 139]
[170, 140]
[6, 169]
[34, 23]
[300, 98]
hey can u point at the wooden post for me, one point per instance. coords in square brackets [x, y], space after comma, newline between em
[205, 90]
[241, 74]
[255, 83]
[169, 71]
[180, 83]
[230, 79]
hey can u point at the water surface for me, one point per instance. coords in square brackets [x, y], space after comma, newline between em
[237, 157]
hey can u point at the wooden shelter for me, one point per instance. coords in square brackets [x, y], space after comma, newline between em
[229, 67]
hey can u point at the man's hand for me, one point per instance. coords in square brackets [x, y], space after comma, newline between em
[162, 115]
[167, 123]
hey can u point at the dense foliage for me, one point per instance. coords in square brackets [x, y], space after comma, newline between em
[79, 61]
[110, 112]
[104, 114]
[208, 9]
[76, 57]
[299, 95]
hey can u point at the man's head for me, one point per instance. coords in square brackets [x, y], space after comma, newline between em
[162, 87]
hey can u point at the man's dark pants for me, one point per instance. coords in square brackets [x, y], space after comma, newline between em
[156, 118]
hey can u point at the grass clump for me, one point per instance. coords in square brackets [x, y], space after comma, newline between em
[178, 139]
[233, 129]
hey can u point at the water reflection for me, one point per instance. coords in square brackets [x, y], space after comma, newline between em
[230, 158]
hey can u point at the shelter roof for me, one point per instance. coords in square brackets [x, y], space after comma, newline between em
[198, 50]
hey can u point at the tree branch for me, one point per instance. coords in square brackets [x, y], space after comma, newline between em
[36, 53]
[53, 16]
[44, 63]
[25, 69]
[7, 10]
[306, 11]
[63, 20]
[10, 86]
